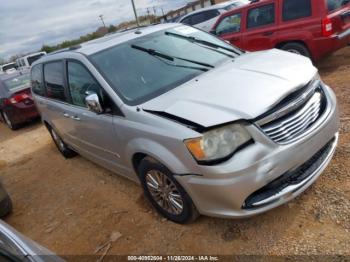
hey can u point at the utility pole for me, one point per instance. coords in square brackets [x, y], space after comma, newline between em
[103, 22]
[149, 18]
[155, 14]
[135, 13]
[154, 11]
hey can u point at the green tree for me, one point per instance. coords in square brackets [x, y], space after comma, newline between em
[47, 49]
[112, 29]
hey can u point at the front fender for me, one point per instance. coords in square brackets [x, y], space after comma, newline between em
[156, 151]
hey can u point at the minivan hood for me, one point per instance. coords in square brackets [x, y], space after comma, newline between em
[244, 88]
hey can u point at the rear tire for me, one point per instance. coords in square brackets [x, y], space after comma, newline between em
[61, 145]
[8, 121]
[297, 48]
[164, 192]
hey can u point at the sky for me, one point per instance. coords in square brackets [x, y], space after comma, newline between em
[25, 25]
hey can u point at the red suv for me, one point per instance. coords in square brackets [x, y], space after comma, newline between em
[313, 28]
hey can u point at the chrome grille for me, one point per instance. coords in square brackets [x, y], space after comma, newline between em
[287, 127]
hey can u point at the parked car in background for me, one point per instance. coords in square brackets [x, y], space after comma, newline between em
[174, 19]
[26, 61]
[16, 101]
[204, 127]
[8, 68]
[5, 202]
[14, 247]
[206, 17]
[313, 28]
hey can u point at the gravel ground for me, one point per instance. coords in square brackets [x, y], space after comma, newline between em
[73, 206]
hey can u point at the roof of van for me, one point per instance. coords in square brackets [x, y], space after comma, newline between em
[213, 7]
[217, 6]
[94, 46]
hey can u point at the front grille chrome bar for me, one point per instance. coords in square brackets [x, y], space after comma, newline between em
[293, 119]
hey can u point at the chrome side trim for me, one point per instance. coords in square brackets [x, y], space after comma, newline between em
[344, 34]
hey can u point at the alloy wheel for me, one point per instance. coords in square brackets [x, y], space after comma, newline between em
[164, 192]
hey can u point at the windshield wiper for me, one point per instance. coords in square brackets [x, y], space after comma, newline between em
[169, 57]
[203, 42]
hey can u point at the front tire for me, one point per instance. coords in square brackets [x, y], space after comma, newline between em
[165, 193]
[61, 145]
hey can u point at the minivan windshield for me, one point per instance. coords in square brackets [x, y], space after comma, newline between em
[148, 66]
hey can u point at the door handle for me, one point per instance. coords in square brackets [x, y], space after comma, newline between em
[66, 115]
[268, 33]
[75, 118]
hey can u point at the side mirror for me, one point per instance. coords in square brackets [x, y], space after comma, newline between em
[213, 32]
[93, 103]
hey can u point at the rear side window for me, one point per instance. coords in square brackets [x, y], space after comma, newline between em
[230, 24]
[203, 16]
[211, 14]
[53, 74]
[295, 9]
[37, 80]
[187, 21]
[260, 16]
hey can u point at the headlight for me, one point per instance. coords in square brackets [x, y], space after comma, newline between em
[218, 143]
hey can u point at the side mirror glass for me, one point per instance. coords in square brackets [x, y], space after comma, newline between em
[93, 103]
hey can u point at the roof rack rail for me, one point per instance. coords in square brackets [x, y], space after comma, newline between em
[71, 48]
[137, 27]
[74, 47]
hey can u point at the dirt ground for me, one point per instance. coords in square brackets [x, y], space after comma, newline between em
[73, 206]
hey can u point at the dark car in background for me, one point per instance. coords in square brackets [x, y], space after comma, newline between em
[16, 102]
[313, 28]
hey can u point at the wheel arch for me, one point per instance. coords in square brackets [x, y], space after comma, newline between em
[279, 45]
[140, 148]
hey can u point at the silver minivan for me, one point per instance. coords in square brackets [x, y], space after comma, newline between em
[204, 127]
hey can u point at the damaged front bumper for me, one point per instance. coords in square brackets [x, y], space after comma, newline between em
[265, 174]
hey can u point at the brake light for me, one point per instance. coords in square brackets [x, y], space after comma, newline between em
[327, 27]
[17, 98]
